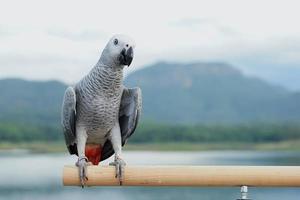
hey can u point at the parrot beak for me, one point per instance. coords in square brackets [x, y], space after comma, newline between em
[126, 56]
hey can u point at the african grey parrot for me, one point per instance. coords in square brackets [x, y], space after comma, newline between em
[99, 113]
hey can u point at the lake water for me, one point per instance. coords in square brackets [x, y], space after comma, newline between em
[38, 176]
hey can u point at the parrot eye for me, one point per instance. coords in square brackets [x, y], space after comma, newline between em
[116, 41]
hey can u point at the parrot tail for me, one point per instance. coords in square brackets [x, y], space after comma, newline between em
[93, 153]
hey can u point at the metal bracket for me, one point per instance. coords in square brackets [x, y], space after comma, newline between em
[244, 193]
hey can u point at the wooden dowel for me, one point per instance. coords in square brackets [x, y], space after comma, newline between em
[260, 176]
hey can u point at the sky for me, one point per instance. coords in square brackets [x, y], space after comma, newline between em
[62, 40]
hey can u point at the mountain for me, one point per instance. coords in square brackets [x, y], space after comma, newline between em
[211, 93]
[36, 102]
[172, 93]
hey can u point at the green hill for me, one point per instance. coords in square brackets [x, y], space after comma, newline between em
[173, 93]
[211, 93]
[30, 101]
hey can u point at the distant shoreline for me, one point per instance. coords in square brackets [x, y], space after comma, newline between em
[56, 147]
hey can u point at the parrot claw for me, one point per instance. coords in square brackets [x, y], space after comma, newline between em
[119, 165]
[82, 167]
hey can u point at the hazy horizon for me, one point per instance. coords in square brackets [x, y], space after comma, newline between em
[153, 64]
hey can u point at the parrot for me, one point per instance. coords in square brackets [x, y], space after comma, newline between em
[99, 113]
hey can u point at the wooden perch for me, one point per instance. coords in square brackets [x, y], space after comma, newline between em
[260, 176]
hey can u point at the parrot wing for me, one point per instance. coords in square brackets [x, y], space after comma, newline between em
[68, 118]
[129, 114]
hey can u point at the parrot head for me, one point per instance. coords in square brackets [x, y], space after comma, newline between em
[118, 51]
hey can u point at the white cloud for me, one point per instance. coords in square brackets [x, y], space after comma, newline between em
[63, 39]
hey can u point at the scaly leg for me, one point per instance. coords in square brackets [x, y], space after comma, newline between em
[116, 141]
[82, 159]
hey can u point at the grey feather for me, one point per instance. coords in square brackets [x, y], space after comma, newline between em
[98, 98]
[68, 117]
[129, 114]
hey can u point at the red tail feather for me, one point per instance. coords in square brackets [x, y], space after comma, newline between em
[93, 153]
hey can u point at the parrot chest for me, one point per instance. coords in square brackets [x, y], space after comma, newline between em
[99, 114]
[98, 101]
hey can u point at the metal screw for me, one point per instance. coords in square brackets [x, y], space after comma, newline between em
[244, 193]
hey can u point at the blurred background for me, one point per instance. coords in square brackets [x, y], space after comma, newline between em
[220, 83]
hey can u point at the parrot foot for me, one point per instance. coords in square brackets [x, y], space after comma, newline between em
[82, 164]
[120, 164]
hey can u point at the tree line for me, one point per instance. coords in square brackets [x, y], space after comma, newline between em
[149, 132]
